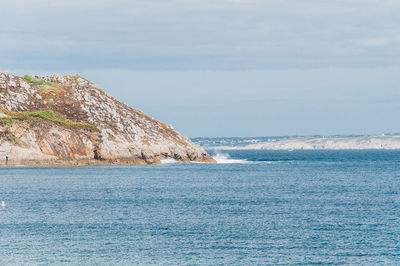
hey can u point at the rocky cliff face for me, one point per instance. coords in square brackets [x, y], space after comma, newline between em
[68, 120]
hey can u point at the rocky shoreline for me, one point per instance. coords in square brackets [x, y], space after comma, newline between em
[88, 162]
[68, 121]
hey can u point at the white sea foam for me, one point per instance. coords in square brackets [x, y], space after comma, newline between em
[224, 158]
[168, 161]
[321, 143]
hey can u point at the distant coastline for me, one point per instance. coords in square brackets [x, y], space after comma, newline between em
[334, 142]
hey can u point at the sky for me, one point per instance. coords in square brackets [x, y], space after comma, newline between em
[222, 67]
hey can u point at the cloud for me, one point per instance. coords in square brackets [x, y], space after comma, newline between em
[375, 42]
[198, 34]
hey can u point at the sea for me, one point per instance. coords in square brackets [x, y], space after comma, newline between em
[253, 207]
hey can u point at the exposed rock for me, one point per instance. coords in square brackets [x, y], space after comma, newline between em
[69, 121]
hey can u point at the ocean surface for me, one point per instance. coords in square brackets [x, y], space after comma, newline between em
[253, 207]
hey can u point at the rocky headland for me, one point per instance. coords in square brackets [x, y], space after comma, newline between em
[67, 120]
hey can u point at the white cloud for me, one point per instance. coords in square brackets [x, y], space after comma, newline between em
[375, 42]
[199, 34]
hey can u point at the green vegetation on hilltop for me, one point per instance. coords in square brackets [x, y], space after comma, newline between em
[42, 115]
[43, 86]
[39, 82]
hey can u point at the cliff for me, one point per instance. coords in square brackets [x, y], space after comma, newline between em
[69, 121]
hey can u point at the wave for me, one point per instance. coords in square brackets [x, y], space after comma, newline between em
[168, 161]
[224, 158]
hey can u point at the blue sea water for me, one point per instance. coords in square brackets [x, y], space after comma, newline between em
[255, 207]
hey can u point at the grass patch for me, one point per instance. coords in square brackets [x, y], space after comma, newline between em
[43, 115]
[39, 82]
[44, 88]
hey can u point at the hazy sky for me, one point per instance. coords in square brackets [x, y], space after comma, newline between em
[222, 67]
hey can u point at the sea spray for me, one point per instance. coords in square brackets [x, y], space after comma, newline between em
[224, 158]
